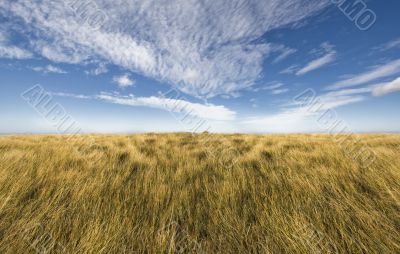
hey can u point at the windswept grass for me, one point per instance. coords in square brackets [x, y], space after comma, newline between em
[170, 193]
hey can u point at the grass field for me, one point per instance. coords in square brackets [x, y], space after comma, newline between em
[175, 193]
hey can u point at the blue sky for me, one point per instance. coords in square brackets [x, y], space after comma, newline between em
[222, 66]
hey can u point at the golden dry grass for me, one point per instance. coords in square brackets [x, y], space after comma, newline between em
[172, 193]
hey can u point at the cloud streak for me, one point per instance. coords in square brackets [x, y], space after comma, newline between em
[284, 52]
[49, 69]
[203, 111]
[375, 73]
[11, 51]
[296, 113]
[389, 45]
[203, 48]
[329, 57]
[386, 88]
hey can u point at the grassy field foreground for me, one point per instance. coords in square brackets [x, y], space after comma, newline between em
[174, 193]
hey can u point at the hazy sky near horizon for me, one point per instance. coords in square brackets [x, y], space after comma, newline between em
[223, 66]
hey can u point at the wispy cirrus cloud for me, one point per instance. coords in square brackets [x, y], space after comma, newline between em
[376, 72]
[316, 64]
[276, 88]
[49, 69]
[203, 111]
[10, 51]
[279, 91]
[284, 52]
[13, 52]
[290, 70]
[329, 55]
[296, 113]
[389, 45]
[204, 48]
[386, 88]
[273, 87]
[100, 69]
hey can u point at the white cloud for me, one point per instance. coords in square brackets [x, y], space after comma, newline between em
[204, 48]
[346, 92]
[123, 81]
[49, 69]
[267, 87]
[290, 70]
[285, 52]
[70, 95]
[272, 86]
[389, 45]
[317, 63]
[334, 99]
[275, 88]
[101, 69]
[328, 57]
[10, 51]
[202, 111]
[253, 102]
[279, 91]
[377, 72]
[298, 114]
[386, 88]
